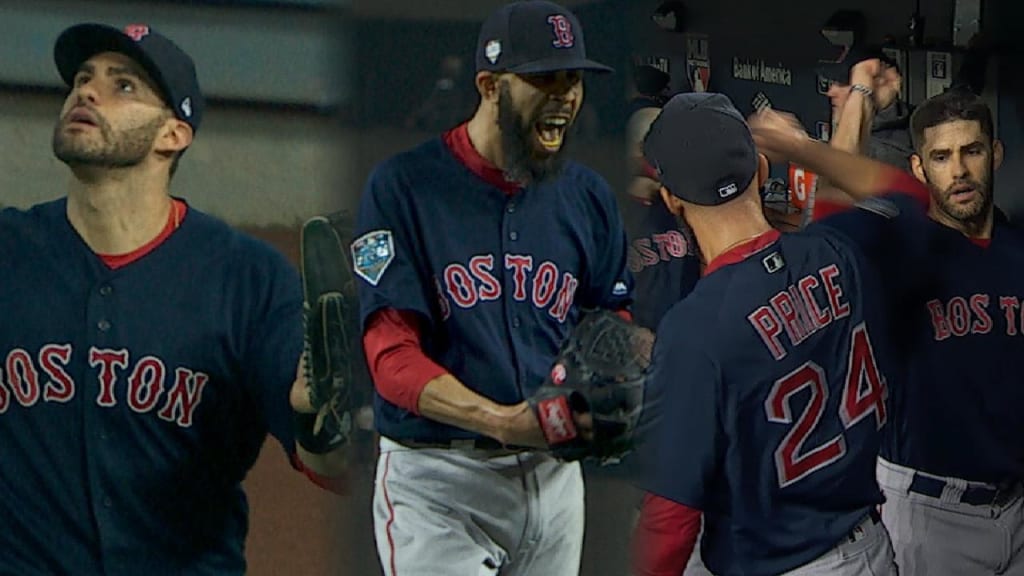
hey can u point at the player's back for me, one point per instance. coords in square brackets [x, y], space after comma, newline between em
[796, 332]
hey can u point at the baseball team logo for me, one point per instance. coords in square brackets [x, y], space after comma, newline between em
[136, 31]
[562, 27]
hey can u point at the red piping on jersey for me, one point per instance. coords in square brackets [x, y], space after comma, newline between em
[457, 140]
[336, 484]
[399, 368]
[742, 251]
[391, 511]
[174, 218]
[664, 537]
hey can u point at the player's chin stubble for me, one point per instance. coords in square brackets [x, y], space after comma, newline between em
[972, 213]
[518, 148]
[112, 150]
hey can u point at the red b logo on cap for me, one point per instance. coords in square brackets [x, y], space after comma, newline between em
[136, 31]
[564, 37]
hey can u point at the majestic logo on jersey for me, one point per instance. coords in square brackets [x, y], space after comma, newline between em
[562, 27]
[620, 289]
[661, 247]
[797, 311]
[546, 287]
[372, 253]
[149, 384]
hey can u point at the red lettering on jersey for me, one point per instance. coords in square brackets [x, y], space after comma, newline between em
[982, 322]
[802, 317]
[818, 317]
[959, 318]
[768, 326]
[562, 28]
[5, 399]
[22, 377]
[145, 384]
[107, 360]
[53, 358]
[1009, 304]
[643, 246]
[865, 391]
[442, 301]
[939, 322]
[565, 297]
[544, 284]
[184, 397]
[783, 305]
[480, 267]
[460, 285]
[829, 274]
[519, 265]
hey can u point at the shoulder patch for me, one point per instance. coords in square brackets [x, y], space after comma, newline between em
[881, 206]
[372, 253]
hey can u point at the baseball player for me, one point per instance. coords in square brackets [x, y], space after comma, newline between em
[147, 348]
[769, 386]
[952, 463]
[475, 252]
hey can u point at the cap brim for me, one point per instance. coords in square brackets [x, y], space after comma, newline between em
[556, 64]
[835, 72]
[79, 43]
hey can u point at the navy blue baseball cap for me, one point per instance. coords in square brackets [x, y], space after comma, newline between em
[837, 62]
[702, 149]
[167, 64]
[533, 37]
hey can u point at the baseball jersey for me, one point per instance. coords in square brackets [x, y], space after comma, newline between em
[662, 257]
[767, 399]
[133, 401]
[498, 277]
[957, 407]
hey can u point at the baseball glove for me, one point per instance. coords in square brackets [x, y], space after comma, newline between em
[329, 304]
[599, 370]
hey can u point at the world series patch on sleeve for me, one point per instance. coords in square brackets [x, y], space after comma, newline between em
[599, 370]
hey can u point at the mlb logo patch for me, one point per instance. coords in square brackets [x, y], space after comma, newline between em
[773, 262]
[372, 253]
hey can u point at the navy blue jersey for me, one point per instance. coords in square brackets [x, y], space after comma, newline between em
[767, 401]
[134, 401]
[957, 406]
[662, 257]
[497, 277]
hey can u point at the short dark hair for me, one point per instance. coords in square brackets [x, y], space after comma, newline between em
[946, 107]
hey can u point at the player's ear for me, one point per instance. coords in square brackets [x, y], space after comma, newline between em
[763, 170]
[997, 153]
[917, 167]
[673, 204]
[487, 85]
[174, 136]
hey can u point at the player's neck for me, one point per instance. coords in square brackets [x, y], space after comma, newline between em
[486, 139]
[117, 211]
[980, 229]
[719, 234]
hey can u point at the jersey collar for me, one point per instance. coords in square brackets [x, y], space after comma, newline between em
[457, 140]
[741, 252]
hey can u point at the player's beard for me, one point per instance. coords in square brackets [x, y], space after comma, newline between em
[522, 162]
[974, 213]
[114, 149]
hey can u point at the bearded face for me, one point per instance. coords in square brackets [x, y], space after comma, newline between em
[957, 164]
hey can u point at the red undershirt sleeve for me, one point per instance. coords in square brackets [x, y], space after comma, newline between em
[397, 363]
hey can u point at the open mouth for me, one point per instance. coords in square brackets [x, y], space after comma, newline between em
[551, 132]
[81, 116]
[962, 194]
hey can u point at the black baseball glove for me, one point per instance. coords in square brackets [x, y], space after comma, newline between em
[599, 370]
[328, 310]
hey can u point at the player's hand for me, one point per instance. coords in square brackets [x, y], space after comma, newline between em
[523, 429]
[865, 72]
[776, 134]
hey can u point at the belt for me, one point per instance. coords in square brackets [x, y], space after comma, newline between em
[973, 495]
[483, 443]
[857, 533]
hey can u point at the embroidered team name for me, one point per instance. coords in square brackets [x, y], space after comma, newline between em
[656, 248]
[963, 315]
[543, 284]
[798, 312]
[145, 384]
